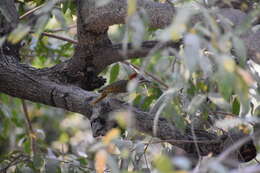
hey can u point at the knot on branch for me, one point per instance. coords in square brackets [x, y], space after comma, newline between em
[11, 49]
[92, 81]
[100, 120]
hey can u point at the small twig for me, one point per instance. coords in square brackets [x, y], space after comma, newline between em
[30, 11]
[59, 37]
[148, 74]
[31, 133]
[173, 64]
[257, 161]
[195, 141]
[229, 114]
[14, 161]
[63, 29]
[224, 113]
[184, 141]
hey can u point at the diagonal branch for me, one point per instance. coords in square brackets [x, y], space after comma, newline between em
[116, 54]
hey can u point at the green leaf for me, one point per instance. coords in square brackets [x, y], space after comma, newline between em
[218, 100]
[19, 33]
[38, 161]
[240, 50]
[114, 73]
[2, 40]
[59, 16]
[52, 165]
[147, 102]
[225, 82]
[195, 103]
[236, 107]
[163, 164]
[137, 100]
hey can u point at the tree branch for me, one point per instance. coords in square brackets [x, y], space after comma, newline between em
[116, 53]
[21, 81]
[159, 14]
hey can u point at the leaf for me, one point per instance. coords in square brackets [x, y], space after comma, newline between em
[83, 161]
[225, 82]
[138, 30]
[2, 40]
[41, 23]
[66, 5]
[52, 165]
[38, 161]
[47, 7]
[131, 7]
[179, 26]
[112, 162]
[240, 50]
[147, 102]
[5, 111]
[230, 123]
[191, 51]
[195, 103]
[19, 33]
[218, 100]
[182, 162]
[114, 73]
[163, 164]
[111, 134]
[236, 107]
[59, 16]
[122, 118]
[100, 161]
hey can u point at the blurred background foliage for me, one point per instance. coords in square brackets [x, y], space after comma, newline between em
[201, 86]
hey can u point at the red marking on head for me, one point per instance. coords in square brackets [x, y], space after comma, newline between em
[132, 76]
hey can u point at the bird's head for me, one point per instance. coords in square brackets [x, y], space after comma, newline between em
[138, 77]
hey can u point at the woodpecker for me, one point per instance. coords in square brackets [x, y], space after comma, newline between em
[118, 87]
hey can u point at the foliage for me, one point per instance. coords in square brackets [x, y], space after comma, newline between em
[202, 84]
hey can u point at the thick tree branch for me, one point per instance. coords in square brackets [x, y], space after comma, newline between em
[21, 81]
[116, 53]
[28, 83]
[24, 82]
[159, 14]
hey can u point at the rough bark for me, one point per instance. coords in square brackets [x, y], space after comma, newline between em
[65, 85]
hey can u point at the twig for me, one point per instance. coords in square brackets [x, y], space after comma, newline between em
[59, 37]
[14, 161]
[257, 161]
[183, 141]
[30, 11]
[229, 114]
[195, 141]
[148, 74]
[224, 113]
[63, 29]
[125, 62]
[31, 133]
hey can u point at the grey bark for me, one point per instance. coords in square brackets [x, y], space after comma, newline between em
[65, 85]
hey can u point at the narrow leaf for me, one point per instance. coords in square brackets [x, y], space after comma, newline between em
[114, 73]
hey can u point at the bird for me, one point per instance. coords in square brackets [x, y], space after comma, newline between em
[118, 87]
